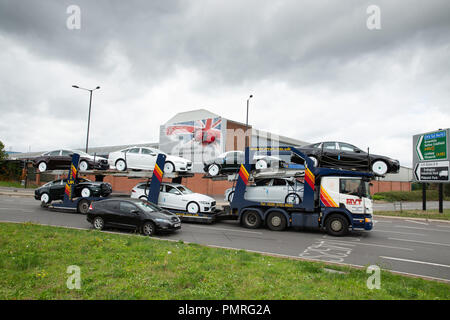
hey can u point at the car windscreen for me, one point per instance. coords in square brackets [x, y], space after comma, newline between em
[184, 190]
[147, 206]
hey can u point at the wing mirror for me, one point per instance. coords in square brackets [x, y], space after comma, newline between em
[135, 211]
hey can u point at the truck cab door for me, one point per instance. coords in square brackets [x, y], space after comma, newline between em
[349, 195]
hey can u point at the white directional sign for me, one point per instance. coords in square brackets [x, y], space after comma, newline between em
[432, 171]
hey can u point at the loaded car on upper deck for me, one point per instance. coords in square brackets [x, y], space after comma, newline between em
[333, 154]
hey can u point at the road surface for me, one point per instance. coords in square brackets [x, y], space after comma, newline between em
[409, 246]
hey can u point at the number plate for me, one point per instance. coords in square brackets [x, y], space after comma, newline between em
[176, 225]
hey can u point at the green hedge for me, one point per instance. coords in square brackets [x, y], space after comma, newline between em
[416, 195]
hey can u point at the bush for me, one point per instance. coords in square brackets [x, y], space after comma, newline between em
[432, 195]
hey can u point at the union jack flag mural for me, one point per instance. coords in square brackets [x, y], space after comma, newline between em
[205, 131]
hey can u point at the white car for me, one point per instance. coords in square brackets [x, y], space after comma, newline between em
[144, 158]
[281, 190]
[178, 197]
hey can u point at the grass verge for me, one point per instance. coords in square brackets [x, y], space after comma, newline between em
[416, 195]
[15, 184]
[428, 214]
[34, 261]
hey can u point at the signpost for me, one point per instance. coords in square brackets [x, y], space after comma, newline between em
[431, 160]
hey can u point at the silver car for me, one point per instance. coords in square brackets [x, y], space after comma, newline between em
[281, 190]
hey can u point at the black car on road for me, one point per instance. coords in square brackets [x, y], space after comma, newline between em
[133, 214]
[62, 159]
[54, 190]
[343, 155]
[230, 162]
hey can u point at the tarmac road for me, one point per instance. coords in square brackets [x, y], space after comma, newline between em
[408, 246]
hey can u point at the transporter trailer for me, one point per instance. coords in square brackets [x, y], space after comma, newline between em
[69, 203]
[333, 199]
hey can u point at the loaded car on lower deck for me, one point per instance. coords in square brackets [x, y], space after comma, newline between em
[54, 190]
[175, 196]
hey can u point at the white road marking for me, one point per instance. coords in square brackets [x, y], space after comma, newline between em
[418, 228]
[416, 261]
[372, 244]
[224, 229]
[424, 242]
[417, 222]
[415, 234]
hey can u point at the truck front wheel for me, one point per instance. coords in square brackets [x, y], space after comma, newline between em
[251, 219]
[337, 225]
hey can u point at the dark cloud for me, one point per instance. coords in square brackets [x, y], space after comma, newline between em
[231, 42]
[310, 56]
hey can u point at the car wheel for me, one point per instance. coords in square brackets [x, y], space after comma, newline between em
[251, 219]
[379, 167]
[336, 225]
[45, 198]
[276, 221]
[98, 223]
[230, 196]
[213, 170]
[143, 198]
[121, 165]
[292, 198]
[169, 167]
[261, 164]
[193, 207]
[148, 229]
[83, 206]
[314, 160]
[86, 192]
[83, 166]
[42, 166]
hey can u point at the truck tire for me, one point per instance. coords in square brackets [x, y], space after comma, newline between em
[251, 219]
[83, 206]
[337, 225]
[276, 221]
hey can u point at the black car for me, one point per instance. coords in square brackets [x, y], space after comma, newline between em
[132, 214]
[54, 190]
[343, 155]
[230, 162]
[62, 159]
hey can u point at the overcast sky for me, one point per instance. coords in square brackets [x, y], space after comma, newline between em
[316, 71]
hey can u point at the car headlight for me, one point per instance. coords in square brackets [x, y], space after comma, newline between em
[204, 202]
[162, 220]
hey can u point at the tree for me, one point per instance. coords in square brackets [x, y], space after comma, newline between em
[3, 154]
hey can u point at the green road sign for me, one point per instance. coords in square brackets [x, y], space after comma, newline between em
[432, 146]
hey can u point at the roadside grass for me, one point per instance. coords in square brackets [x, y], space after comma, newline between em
[416, 195]
[16, 184]
[34, 261]
[428, 214]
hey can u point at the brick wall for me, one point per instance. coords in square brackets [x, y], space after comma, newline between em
[208, 186]
[386, 186]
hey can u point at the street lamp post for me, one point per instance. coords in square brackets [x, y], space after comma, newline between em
[246, 130]
[89, 115]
